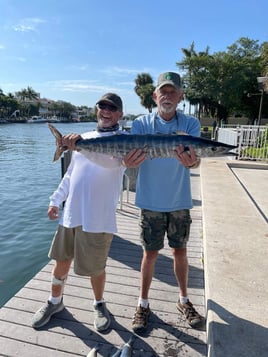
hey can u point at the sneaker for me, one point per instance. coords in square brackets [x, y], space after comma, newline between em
[102, 317]
[140, 318]
[191, 315]
[43, 315]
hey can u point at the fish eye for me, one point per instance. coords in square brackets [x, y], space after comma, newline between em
[214, 148]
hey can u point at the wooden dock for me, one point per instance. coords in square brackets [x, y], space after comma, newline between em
[71, 332]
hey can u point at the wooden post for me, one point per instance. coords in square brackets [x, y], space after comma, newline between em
[65, 161]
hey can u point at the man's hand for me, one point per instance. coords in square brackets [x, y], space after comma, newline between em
[53, 212]
[134, 158]
[69, 140]
[187, 158]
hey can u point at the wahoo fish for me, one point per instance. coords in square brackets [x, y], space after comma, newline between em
[94, 351]
[154, 145]
[117, 353]
[126, 349]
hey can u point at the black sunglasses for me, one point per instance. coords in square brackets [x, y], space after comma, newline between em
[110, 107]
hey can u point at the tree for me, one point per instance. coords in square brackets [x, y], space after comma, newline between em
[22, 95]
[219, 83]
[28, 97]
[144, 88]
[63, 109]
[8, 104]
[196, 85]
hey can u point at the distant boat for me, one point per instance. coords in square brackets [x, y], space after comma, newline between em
[54, 119]
[3, 121]
[37, 119]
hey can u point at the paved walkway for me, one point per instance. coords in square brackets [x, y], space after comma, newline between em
[235, 207]
[71, 332]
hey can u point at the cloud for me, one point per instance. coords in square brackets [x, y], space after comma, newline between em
[28, 25]
[23, 28]
[20, 59]
[80, 86]
[82, 67]
[119, 71]
[11, 59]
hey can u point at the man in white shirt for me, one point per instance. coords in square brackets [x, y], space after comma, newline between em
[90, 189]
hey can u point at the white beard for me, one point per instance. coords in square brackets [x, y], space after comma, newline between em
[164, 108]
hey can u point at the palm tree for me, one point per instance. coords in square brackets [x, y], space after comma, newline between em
[26, 96]
[144, 88]
[194, 63]
[22, 95]
[32, 94]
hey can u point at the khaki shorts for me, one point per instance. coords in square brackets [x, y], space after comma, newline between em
[88, 250]
[154, 226]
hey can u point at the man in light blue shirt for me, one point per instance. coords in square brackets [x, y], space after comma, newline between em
[163, 192]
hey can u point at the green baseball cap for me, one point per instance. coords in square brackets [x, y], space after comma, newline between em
[169, 78]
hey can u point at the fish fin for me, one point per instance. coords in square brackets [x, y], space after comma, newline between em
[58, 136]
[181, 133]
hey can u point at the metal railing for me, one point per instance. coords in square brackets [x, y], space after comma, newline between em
[251, 140]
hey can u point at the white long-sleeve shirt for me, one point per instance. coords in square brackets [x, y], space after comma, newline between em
[90, 190]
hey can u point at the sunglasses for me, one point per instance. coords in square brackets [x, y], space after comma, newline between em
[110, 107]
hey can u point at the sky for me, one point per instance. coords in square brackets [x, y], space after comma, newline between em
[77, 50]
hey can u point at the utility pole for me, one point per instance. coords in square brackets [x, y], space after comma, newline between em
[261, 84]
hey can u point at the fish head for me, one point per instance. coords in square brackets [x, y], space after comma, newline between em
[220, 150]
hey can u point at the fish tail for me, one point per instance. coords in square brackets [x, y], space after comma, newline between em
[58, 153]
[94, 350]
[58, 136]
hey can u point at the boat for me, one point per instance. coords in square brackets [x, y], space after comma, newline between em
[3, 121]
[54, 119]
[37, 119]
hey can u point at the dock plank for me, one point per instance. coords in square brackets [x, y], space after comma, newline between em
[71, 332]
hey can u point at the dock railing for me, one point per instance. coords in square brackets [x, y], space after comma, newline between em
[251, 140]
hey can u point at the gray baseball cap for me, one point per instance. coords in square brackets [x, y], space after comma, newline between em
[169, 78]
[113, 99]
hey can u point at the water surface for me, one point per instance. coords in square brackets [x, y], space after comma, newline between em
[27, 179]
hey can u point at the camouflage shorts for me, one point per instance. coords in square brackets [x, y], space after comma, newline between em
[154, 226]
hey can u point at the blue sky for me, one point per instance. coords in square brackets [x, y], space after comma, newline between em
[77, 50]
